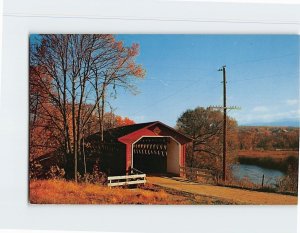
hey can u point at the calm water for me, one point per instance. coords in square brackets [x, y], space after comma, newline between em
[255, 173]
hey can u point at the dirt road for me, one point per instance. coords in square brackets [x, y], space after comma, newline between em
[239, 196]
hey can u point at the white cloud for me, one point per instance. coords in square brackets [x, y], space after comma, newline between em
[292, 102]
[246, 118]
[260, 109]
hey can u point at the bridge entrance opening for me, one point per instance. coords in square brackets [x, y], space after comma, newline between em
[156, 155]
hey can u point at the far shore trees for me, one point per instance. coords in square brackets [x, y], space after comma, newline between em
[70, 79]
[268, 138]
[204, 126]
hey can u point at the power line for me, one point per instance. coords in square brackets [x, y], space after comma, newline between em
[264, 77]
[264, 59]
[232, 64]
[232, 81]
[195, 81]
[168, 96]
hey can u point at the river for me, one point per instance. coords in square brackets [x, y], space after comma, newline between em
[254, 174]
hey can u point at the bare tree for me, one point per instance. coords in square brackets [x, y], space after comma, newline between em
[81, 69]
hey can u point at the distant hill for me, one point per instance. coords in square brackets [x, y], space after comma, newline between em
[275, 123]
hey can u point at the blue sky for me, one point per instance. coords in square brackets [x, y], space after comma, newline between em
[262, 77]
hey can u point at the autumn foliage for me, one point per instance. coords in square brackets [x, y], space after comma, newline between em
[71, 77]
[204, 126]
[123, 121]
[268, 138]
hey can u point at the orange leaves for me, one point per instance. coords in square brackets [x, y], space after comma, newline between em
[133, 50]
[131, 66]
[119, 46]
[124, 121]
[139, 72]
[126, 61]
[128, 121]
[71, 75]
[136, 70]
[44, 135]
[268, 138]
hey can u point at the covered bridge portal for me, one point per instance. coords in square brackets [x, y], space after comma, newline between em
[151, 147]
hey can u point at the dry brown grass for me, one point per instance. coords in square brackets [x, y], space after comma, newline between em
[64, 192]
[172, 192]
[274, 154]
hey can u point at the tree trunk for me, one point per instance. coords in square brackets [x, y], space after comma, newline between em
[102, 112]
[74, 131]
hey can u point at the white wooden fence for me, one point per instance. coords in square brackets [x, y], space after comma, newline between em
[126, 180]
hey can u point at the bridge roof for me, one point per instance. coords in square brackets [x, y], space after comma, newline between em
[130, 133]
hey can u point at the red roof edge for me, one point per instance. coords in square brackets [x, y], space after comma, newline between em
[172, 129]
[159, 122]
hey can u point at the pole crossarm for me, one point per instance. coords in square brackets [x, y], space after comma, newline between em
[221, 107]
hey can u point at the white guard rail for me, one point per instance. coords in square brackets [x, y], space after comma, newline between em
[126, 180]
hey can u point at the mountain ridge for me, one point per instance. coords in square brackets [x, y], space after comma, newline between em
[283, 123]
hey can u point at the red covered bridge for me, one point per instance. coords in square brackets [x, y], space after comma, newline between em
[151, 147]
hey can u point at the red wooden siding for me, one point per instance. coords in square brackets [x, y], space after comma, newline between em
[152, 130]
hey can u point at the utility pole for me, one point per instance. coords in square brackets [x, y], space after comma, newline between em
[224, 108]
[223, 69]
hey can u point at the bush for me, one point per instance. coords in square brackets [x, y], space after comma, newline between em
[35, 169]
[96, 177]
[290, 182]
[55, 173]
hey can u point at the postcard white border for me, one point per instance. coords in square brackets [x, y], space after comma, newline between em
[117, 16]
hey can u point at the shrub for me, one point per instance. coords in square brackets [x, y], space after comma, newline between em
[35, 169]
[290, 182]
[96, 177]
[55, 173]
